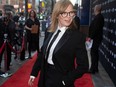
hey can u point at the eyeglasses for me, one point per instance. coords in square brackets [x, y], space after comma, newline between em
[65, 14]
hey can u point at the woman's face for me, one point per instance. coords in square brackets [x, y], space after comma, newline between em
[65, 18]
[32, 13]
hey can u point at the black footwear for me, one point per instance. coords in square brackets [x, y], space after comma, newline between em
[15, 57]
[93, 71]
[30, 58]
[1, 72]
[5, 75]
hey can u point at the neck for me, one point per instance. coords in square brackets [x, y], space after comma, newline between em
[97, 13]
[32, 18]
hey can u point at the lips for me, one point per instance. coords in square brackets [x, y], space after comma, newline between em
[69, 20]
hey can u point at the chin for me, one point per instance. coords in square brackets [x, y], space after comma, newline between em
[67, 25]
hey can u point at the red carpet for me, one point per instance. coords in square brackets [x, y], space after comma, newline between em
[21, 77]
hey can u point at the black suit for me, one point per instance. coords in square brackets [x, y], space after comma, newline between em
[70, 46]
[9, 30]
[95, 33]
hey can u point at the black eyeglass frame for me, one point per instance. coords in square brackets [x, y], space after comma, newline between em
[65, 14]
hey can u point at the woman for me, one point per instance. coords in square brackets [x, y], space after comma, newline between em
[57, 65]
[32, 38]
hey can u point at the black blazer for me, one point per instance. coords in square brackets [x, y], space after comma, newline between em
[96, 28]
[71, 47]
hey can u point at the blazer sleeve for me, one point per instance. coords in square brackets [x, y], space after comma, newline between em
[37, 65]
[81, 61]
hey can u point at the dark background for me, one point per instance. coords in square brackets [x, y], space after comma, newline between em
[108, 46]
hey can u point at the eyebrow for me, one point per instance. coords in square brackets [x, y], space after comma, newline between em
[69, 11]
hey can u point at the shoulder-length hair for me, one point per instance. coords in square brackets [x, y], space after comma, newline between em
[59, 8]
[34, 13]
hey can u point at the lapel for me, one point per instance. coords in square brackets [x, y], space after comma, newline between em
[63, 40]
[46, 43]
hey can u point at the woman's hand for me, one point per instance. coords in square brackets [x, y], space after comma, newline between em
[31, 80]
[28, 28]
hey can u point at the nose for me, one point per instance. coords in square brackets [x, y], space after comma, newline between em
[68, 15]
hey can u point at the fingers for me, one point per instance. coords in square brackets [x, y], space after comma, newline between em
[30, 82]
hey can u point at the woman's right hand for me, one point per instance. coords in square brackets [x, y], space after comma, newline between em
[31, 80]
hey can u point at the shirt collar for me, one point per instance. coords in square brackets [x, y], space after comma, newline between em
[62, 29]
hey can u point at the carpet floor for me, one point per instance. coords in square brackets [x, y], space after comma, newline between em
[21, 76]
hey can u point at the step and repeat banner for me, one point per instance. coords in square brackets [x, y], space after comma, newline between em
[108, 45]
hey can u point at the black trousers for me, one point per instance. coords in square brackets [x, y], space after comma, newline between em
[53, 78]
[33, 45]
[8, 56]
[95, 57]
[22, 55]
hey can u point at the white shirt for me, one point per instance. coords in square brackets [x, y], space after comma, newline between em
[63, 29]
